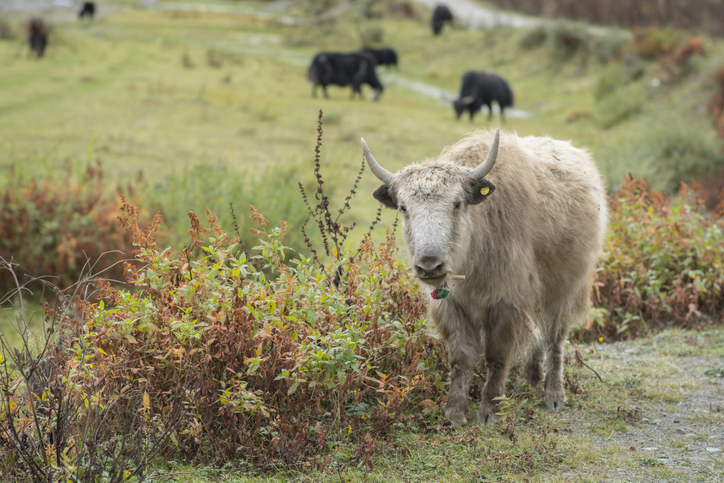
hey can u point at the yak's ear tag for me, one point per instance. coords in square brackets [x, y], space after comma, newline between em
[484, 191]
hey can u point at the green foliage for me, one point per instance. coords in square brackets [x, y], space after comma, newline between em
[273, 190]
[372, 33]
[63, 226]
[533, 38]
[269, 358]
[608, 46]
[619, 106]
[663, 264]
[567, 39]
[609, 80]
[668, 153]
[653, 42]
[267, 369]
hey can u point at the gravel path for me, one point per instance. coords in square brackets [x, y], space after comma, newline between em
[680, 436]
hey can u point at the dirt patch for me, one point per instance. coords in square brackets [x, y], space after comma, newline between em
[659, 412]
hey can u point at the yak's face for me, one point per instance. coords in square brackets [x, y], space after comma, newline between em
[434, 202]
[459, 108]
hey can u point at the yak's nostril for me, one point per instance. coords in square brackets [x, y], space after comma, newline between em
[429, 272]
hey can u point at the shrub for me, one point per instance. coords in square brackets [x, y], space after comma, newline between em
[668, 152]
[62, 226]
[6, 31]
[533, 38]
[271, 360]
[663, 264]
[372, 33]
[577, 114]
[619, 106]
[58, 421]
[213, 187]
[677, 64]
[653, 42]
[567, 39]
[715, 104]
[611, 78]
[608, 47]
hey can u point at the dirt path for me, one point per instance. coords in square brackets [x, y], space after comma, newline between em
[660, 409]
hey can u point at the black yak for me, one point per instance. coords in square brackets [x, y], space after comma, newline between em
[342, 70]
[37, 36]
[440, 15]
[385, 56]
[481, 89]
[87, 10]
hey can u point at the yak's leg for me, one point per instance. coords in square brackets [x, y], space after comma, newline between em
[490, 112]
[500, 339]
[533, 372]
[555, 395]
[324, 91]
[463, 345]
[502, 113]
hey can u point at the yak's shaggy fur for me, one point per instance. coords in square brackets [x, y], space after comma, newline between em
[528, 250]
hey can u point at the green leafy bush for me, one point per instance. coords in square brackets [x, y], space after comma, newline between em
[663, 264]
[237, 355]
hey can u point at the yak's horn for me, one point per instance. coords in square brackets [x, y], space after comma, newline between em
[486, 166]
[467, 100]
[384, 175]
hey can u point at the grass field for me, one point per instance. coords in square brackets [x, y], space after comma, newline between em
[137, 89]
[214, 108]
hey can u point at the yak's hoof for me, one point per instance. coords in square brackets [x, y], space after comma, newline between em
[554, 405]
[456, 418]
[487, 419]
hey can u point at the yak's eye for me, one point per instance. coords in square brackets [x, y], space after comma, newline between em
[403, 209]
[456, 205]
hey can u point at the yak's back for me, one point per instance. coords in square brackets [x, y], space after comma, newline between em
[556, 187]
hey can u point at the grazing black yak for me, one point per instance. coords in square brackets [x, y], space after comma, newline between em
[342, 70]
[37, 36]
[87, 10]
[385, 56]
[481, 89]
[440, 15]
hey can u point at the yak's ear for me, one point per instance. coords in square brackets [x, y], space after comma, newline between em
[481, 190]
[382, 194]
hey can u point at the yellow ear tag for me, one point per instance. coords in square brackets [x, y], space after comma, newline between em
[484, 190]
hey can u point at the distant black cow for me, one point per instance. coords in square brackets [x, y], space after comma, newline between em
[37, 36]
[338, 69]
[88, 10]
[384, 56]
[481, 89]
[440, 15]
